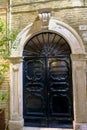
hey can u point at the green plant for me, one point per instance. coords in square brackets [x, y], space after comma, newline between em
[3, 57]
[6, 37]
[3, 96]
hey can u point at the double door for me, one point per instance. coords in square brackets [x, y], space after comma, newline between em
[47, 92]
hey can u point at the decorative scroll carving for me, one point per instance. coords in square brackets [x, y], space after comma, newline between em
[45, 15]
[15, 68]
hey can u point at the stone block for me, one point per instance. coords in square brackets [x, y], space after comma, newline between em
[16, 125]
[83, 127]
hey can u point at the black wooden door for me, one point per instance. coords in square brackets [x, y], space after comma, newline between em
[47, 82]
[47, 91]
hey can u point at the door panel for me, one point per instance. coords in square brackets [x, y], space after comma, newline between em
[60, 91]
[47, 91]
[34, 91]
[59, 81]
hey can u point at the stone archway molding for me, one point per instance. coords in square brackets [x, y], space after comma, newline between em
[78, 58]
[55, 25]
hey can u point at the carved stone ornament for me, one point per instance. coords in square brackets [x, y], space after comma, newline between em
[44, 16]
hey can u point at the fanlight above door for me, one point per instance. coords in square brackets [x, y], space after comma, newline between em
[46, 44]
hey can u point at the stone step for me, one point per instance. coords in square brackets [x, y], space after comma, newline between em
[37, 128]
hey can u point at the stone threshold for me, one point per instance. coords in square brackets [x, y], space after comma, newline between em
[37, 128]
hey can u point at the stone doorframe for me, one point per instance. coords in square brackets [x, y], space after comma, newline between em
[78, 58]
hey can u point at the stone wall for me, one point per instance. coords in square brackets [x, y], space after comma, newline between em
[3, 3]
[72, 12]
[5, 86]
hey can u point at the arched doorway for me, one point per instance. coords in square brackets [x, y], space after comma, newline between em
[78, 60]
[47, 81]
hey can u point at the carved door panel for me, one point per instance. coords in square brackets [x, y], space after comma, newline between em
[60, 92]
[47, 91]
[34, 92]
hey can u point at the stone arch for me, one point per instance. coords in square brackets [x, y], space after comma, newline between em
[59, 27]
[78, 58]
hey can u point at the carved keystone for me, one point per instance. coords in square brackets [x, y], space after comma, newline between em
[44, 16]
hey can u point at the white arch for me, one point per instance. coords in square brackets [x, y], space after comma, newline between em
[59, 27]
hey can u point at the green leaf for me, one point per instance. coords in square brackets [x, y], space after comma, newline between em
[3, 96]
